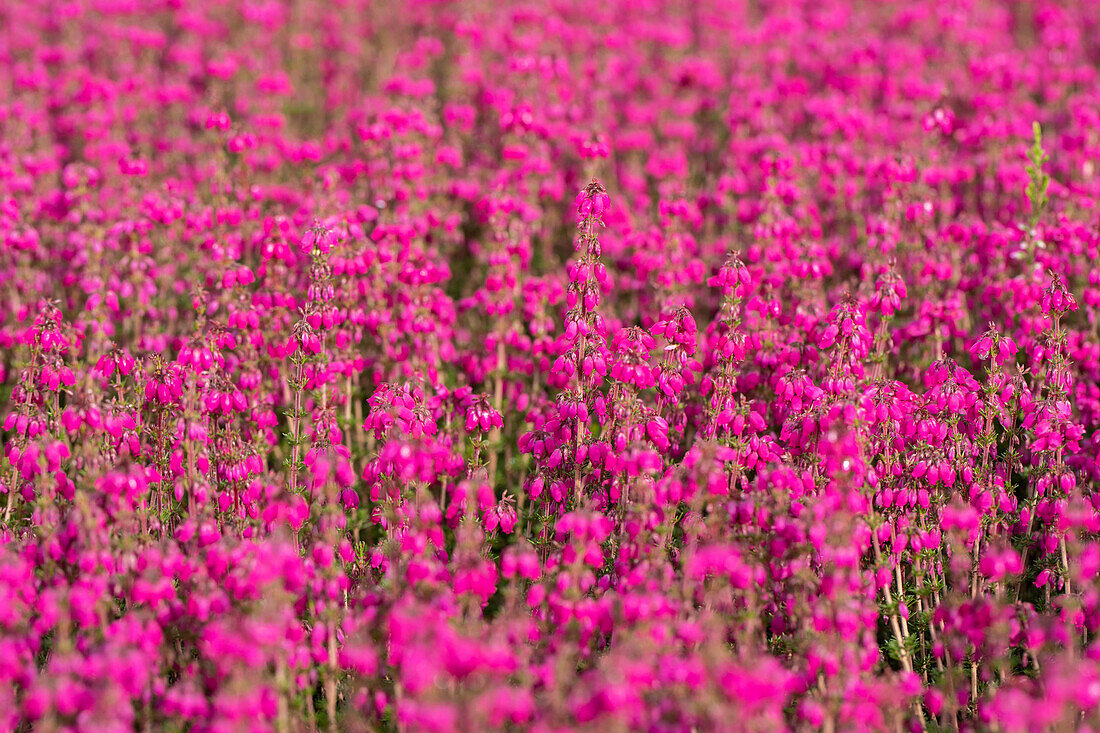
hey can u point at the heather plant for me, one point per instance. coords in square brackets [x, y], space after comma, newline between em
[611, 366]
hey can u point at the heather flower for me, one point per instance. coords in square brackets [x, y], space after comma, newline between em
[312, 418]
[592, 200]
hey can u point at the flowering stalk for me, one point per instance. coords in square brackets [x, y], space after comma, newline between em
[585, 358]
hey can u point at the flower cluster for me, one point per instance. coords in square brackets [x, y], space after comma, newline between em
[429, 366]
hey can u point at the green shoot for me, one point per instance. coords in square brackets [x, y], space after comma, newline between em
[1038, 181]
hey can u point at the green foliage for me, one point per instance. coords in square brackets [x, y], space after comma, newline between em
[1039, 181]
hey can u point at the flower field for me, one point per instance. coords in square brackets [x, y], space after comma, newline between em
[549, 365]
